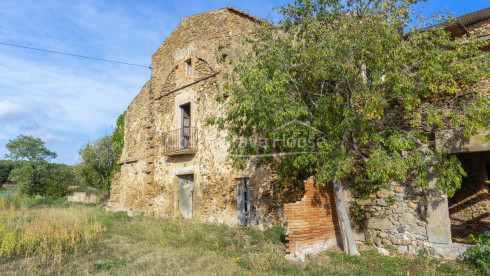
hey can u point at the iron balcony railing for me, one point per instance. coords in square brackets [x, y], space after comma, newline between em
[182, 139]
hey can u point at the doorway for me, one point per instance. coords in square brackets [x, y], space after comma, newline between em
[468, 207]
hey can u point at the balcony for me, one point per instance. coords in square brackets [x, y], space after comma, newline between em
[180, 141]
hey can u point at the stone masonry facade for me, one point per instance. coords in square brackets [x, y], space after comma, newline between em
[207, 44]
[174, 164]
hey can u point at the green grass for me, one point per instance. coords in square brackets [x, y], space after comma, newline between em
[143, 245]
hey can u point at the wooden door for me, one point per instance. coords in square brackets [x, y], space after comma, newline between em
[186, 193]
[186, 126]
[243, 201]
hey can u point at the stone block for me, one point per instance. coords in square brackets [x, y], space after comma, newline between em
[438, 213]
[383, 251]
[419, 230]
[359, 236]
[407, 219]
[386, 242]
[412, 205]
[379, 223]
[399, 190]
[402, 249]
[382, 193]
[437, 234]
[364, 202]
[381, 202]
[454, 251]
[454, 141]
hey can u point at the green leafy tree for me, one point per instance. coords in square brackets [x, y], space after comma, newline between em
[341, 91]
[34, 151]
[57, 178]
[5, 167]
[118, 136]
[51, 180]
[98, 160]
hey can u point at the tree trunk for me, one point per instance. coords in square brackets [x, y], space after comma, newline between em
[348, 241]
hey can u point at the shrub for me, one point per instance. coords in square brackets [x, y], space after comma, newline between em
[5, 168]
[479, 254]
[49, 179]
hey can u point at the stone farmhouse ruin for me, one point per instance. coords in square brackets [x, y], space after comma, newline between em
[174, 165]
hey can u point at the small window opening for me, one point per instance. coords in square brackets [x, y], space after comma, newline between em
[188, 67]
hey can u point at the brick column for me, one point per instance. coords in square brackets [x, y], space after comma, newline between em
[312, 221]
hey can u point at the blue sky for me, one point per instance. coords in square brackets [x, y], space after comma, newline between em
[69, 101]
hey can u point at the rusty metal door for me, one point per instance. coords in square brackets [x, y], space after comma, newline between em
[243, 201]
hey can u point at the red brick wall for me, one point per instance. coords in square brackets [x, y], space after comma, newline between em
[312, 221]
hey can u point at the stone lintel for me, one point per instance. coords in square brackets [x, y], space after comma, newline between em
[454, 141]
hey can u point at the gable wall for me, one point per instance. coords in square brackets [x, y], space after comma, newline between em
[148, 181]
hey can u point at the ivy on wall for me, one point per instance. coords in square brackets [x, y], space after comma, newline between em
[118, 143]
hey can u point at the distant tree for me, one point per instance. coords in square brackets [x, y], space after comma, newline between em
[57, 178]
[98, 161]
[26, 147]
[348, 95]
[5, 167]
[35, 152]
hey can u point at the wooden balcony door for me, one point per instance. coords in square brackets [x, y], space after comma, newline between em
[185, 139]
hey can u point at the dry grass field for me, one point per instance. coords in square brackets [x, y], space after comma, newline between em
[53, 237]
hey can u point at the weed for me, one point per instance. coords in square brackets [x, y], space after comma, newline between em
[107, 265]
[479, 254]
[358, 213]
[422, 252]
[390, 200]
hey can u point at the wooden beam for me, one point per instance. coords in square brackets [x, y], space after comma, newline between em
[187, 85]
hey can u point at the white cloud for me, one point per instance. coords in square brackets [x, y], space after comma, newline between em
[64, 100]
[9, 111]
[68, 101]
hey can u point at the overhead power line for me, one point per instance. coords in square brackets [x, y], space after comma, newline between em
[74, 55]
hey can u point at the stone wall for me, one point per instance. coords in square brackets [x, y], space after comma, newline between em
[84, 197]
[481, 28]
[148, 181]
[406, 217]
[312, 222]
